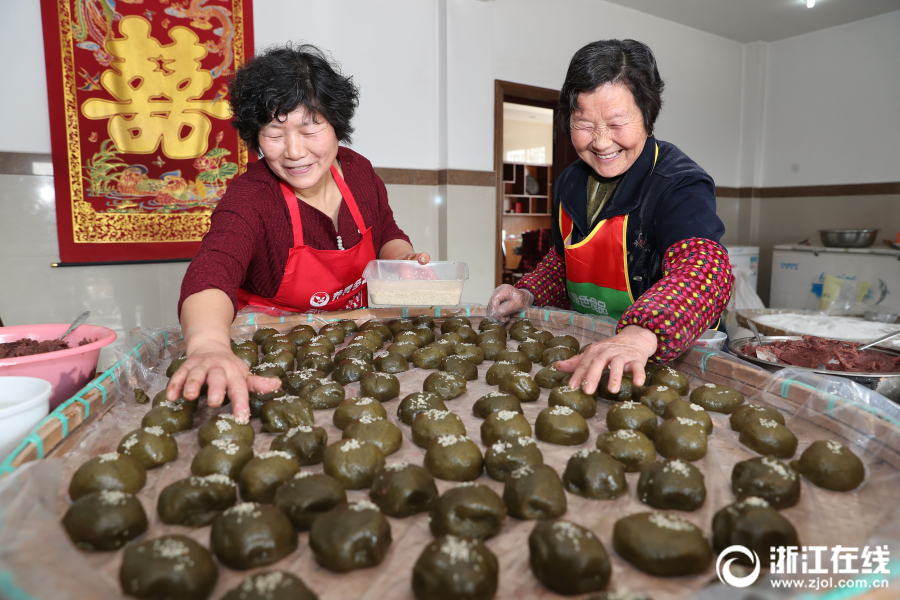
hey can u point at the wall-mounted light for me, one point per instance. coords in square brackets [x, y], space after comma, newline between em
[810, 3]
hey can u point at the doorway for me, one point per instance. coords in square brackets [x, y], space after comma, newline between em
[518, 208]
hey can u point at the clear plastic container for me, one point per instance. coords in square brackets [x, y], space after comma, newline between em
[407, 283]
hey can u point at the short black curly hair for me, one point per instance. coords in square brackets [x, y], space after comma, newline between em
[283, 78]
[613, 61]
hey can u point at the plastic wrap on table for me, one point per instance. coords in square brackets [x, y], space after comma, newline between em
[37, 560]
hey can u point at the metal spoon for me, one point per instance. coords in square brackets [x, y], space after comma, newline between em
[879, 340]
[761, 353]
[76, 323]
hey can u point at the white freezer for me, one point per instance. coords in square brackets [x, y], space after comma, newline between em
[798, 273]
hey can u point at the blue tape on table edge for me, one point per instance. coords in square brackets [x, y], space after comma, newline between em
[35, 440]
[10, 589]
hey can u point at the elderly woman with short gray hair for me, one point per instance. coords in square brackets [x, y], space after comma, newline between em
[635, 231]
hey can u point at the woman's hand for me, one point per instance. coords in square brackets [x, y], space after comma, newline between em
[421, 257]
[222, 371]
[507, 300]
[624, 352]
[206, 324]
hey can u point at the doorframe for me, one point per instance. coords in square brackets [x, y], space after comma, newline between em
[508, 91]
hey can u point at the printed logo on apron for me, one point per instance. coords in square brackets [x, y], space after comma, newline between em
[317, 281]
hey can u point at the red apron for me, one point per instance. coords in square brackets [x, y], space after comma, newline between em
[320, 280]
[597, 267]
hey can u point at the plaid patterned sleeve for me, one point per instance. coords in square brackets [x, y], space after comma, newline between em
[548, 281]
[693, 292]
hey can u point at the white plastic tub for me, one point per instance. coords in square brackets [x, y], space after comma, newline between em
[24, 401]
[712, 338]
[407, 283]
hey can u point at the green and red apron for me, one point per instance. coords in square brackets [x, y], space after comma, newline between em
[597, 267]
[320, 280]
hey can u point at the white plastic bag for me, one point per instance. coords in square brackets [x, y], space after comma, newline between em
[742, 296]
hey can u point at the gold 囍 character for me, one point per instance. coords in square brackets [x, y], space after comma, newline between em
[157, 89]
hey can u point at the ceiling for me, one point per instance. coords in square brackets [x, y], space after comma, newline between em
[528, 114]
[747, 21]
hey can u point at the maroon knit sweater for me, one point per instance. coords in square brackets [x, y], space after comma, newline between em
[250, 230]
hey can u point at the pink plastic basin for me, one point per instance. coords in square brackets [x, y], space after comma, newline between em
[67, 370]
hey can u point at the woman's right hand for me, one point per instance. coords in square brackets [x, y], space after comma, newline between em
[507, 300]
[223, 372]
[206, 325]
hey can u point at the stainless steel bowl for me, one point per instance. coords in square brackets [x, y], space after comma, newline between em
[848, 238]
[886, 384]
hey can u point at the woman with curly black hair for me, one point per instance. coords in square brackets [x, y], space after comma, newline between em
[296, 230]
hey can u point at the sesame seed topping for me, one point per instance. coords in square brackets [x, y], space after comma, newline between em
[585, 453]
[113, 497]
[436, 414]
[450, 440]
[351, 444]
[244, 509]
[768, 424]
[625, 434]
[627, 405]
[368, 419]
[274, 453]
[109, 456]
[130, 442]
[756, 407]
[365, 401]
[563, 411]
[500, 447]
[303, 474]
[521, 472]
[709, 385]
[214, 478]
[225, 416]
[686, 421]
[678, 467]
[525, 441]
[361, 505]
[223, 426]
[775, 465]
[662, 388]
[565, 531]
[397, 466]
[169, 548]
[752, 501]
[465, 484]
[263, 584]
[505, 415]
[835, 447]
[298, 429]
[157, 430]
[697, 408]
[670, 521]
[458, 550]
[229, 448]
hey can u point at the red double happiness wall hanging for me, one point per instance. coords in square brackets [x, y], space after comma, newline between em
[142, 144]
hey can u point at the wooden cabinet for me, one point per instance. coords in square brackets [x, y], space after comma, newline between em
[527, 201]
[527, 189]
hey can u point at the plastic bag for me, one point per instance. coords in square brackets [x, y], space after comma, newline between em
[38, 561]
[743, 296]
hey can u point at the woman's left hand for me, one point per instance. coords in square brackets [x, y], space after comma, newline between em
[421, 257]
[626, 351]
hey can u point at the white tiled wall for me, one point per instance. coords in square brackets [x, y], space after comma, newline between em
[31, 291]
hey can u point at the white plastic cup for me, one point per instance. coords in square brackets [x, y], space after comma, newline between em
[712, 339]
[24, 401]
